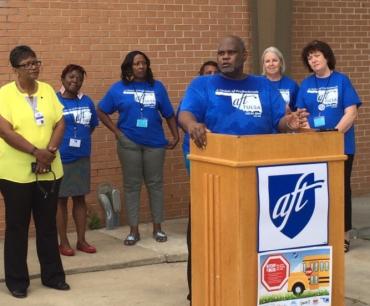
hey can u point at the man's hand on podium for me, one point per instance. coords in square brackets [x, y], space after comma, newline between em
[297, 120]
[197, 132]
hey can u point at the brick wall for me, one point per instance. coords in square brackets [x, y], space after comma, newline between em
[177, 35]
[345, 26]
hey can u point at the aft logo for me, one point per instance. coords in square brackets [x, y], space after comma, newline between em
[293, 206]
[292, 197]
[247, 101]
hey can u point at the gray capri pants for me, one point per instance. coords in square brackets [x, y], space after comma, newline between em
[140, 163]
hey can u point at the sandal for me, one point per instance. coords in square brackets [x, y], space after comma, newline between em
[346, 245]
[160, 236]
[66, 250]
[131, 239]
[85, 247]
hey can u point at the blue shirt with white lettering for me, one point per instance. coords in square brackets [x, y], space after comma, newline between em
[326, 100]
[288, 89]
[236, 107]
[80, 119]
[140, 106]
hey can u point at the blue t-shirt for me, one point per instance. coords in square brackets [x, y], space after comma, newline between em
[140, 106]
[235, 107]
[288, 89]
[185, 141]
[326, 99]
[80, 118]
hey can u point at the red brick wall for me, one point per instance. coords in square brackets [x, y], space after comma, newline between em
[345, 26]
[177, 35]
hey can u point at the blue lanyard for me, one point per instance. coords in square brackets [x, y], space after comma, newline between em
[321, 101]
[32, 101]
[141, 98]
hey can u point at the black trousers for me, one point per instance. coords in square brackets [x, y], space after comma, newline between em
[20, 201]
[348, 193]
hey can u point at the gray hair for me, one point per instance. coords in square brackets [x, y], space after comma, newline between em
[278, 53]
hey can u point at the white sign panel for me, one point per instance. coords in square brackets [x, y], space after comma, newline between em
[293, 206]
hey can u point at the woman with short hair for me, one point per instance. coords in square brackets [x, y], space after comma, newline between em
[31, 128]
[81, 119]
[332, 101]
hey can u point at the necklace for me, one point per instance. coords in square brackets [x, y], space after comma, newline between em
[140, 98]
[321, 98]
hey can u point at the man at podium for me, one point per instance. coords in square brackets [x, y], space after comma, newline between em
[233, 102]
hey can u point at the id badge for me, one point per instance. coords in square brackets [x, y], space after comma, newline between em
[142, 122]
[39, 118]
[319, 121]
[74, 142]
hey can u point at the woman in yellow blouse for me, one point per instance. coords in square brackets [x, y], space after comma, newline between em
[31, 128]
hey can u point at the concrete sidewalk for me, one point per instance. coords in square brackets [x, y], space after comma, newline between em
[112, 254]
[357, 262]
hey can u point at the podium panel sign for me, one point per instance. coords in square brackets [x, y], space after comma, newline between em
[295, 277]
[293, 206]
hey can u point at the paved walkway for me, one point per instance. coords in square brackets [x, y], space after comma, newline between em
[357, 260]
[113, 255]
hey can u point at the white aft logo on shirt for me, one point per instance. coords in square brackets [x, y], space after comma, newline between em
[81, 115]
[326, 95]
[246, 101]
[285, 94]
[147, 98]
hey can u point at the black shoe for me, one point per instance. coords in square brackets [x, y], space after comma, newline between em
[346, 245]
[19, 293]
[62, 285]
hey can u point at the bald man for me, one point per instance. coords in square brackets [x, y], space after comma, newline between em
[233, 102]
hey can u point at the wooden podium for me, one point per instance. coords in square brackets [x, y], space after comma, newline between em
[224, 210]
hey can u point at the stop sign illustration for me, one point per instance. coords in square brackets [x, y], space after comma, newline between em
[275, 272]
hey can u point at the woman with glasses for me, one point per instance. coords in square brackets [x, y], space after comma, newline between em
[31, 128]
[141, 102]
[80, 120]
[332, 101]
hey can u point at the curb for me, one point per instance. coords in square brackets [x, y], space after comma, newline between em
[136, 263]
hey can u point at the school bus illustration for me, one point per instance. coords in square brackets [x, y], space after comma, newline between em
[315, 274]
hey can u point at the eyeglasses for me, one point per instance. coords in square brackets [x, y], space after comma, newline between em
[29, 65]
